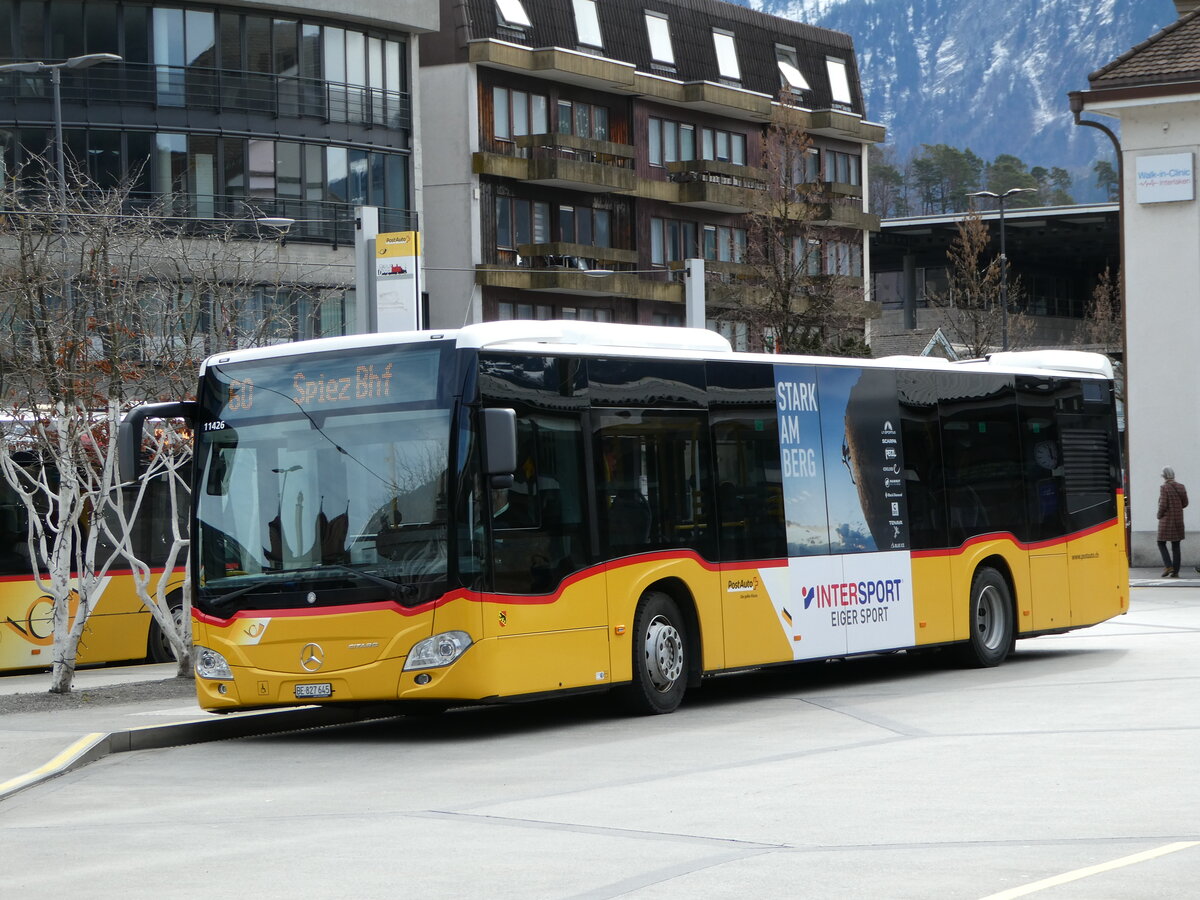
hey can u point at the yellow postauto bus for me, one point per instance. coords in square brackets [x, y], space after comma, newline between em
[118, 629]
[521, 509]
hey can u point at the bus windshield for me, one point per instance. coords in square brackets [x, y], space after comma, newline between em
[323, 482]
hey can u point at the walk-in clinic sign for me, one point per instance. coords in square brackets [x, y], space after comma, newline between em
[1167, 178]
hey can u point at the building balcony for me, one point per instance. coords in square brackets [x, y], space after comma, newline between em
[841, 189]
[847, 126]
[706, 96]
[717, 186]
[557, 64]
[563, 161]
[728, 284]
[566, 161]
[562, 254]
[845, 213]
[565, 274]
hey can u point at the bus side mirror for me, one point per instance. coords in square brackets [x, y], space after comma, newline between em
[129, 436]
[499, 445]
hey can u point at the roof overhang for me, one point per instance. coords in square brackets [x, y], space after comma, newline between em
[1110, 100]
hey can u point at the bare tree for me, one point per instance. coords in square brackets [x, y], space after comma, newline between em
[117, 308]
[1103, 325]
[799, 305]
[973, 316]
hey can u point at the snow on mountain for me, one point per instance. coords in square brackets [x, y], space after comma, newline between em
[992, 77]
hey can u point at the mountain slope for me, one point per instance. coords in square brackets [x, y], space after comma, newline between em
[989, 76]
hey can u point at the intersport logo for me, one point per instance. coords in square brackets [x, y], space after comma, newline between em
[852, 593]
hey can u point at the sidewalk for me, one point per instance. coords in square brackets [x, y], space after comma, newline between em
[29, 740]
[35, 746]
[1188, 577]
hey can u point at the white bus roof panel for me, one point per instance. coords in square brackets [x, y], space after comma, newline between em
[584, 337]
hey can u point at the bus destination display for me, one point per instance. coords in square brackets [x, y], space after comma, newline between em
[328, 383]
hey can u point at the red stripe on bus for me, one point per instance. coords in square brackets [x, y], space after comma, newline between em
[481, 596]
[1011, 538]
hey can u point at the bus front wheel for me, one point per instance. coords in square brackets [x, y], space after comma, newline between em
[991, 621]
[660, 662]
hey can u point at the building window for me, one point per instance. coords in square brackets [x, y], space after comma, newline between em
[806, 254]
[669, 141]
[512, 13]
[789, 68]
[507, 311]
[839, 84]
[727, 62]
[671, 241]
[583, 120]
[587, 23]
[842, 258]
[659, 32]
[842, 168]
[806, 167]
[520, 221]
[515, 113]
[585, 314]
[580, 225]
[724, 244]
[724, 146]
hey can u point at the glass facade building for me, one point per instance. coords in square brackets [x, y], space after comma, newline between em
[223, 111]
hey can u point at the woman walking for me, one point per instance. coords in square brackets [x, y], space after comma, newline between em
[1172, 498]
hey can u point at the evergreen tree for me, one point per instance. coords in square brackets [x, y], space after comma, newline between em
[1107, 179]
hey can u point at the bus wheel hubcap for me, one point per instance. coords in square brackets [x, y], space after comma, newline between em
[664, 654]
[990, 618]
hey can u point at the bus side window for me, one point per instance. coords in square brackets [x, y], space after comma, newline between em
[750, 484]
[652, 481]
[14, 559]
[985, 485]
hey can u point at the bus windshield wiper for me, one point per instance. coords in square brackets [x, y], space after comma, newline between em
[272, 580]
[396, 590]
[220, 602]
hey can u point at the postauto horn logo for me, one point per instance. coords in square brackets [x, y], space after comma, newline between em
[852, 593]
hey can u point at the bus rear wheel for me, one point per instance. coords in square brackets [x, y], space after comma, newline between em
[660, 656]
[992, 629]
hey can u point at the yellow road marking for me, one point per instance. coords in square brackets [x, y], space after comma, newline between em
[1092, 870]
[60, 761]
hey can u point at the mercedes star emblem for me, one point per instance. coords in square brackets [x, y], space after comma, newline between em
[312, 657]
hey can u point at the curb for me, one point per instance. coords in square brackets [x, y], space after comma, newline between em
[100, 744]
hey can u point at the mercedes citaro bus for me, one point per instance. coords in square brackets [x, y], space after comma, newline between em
[521, 509]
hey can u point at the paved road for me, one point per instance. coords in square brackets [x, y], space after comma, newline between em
[1069, 772]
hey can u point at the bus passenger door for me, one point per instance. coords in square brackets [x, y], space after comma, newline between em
[548, 616]
[1049, 599]
[656, 512]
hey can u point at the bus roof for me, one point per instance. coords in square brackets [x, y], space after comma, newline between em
[668, 341]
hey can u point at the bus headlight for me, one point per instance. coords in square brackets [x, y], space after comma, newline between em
[439, 650]
[211, 664]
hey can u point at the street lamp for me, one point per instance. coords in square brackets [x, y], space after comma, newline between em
[55, 69]
[1000, 198]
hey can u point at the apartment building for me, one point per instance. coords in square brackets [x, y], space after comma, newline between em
[576, 152]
